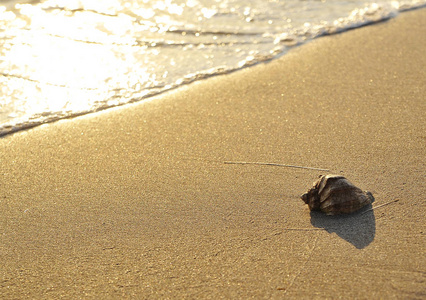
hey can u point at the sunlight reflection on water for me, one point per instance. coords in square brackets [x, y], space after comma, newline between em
[60, 61]
[65, 57]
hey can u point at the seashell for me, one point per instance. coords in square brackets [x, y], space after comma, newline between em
[334, 195]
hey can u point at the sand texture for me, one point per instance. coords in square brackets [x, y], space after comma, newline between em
[136, 202]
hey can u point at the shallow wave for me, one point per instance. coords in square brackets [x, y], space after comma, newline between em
[59, 61]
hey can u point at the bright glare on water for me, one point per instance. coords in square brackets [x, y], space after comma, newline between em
[60, 58]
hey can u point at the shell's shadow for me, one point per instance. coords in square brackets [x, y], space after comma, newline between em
[358, 228]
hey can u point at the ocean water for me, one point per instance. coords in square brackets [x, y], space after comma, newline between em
[63, 58]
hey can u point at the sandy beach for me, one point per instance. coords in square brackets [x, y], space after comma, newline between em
[136, 202]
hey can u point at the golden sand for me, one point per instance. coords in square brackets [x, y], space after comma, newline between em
[136, 202]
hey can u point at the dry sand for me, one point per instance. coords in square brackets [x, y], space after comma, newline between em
[137, 202]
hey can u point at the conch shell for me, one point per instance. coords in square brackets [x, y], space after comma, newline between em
[334, 195]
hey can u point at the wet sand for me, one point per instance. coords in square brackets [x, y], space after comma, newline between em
[136, 202]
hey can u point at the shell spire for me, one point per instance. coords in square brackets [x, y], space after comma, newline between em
[334, 195]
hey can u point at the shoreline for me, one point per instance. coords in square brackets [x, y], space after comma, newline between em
[138, 202]
[8, 128]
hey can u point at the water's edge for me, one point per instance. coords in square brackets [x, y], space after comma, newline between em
[6, 129]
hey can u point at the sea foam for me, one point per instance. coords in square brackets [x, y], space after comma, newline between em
[60, 59]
